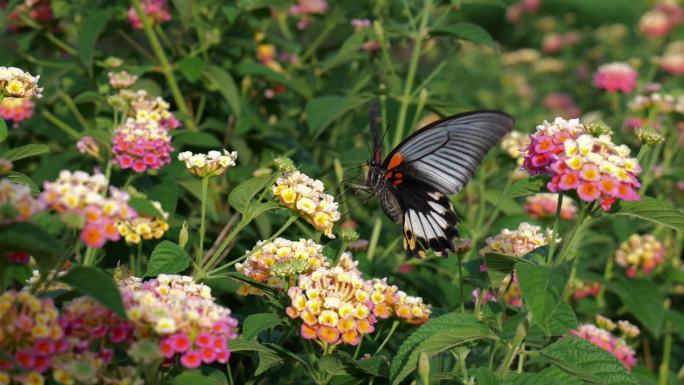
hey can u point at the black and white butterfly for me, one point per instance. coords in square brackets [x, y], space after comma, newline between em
[415, 180]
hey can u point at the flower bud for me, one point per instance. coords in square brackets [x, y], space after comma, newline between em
[598, 128]
[284, 164]
[183, 235]
[649, 136]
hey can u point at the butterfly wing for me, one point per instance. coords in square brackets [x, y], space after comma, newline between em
[435, 162]
[374, 122]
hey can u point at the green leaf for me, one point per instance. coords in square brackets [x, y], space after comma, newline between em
[25, 152]
[484, 376]
[226, 85]
[191, 67]
[3, 130]
[194, 186]
[19, 178]
[322, 111]
[251, 5]
[230, 12]
[551, 375]
[167, 258]
[500, 265]
[89, 97]
[643, 299]
[196, 377]
[244, 192]
[523, 187]
[96, 283]
[542, 289]
[31, 239]
[144, 207]
[466, 31]
[587, 362]
[93, 25]
[250, 67]
[196, 139]
[439, 334]
[256, 323]
[653, 210]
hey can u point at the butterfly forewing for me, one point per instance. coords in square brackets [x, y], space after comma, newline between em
[432, 164]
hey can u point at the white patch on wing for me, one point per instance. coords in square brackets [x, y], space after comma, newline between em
[437, 207]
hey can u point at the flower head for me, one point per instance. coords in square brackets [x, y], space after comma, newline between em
[157, 11]
[88, 145]
[281, 259]
[518, 242]
[121, 79]
[18, 84]
[211, 164]
[594, 167]
[305, 196]
[582, 289]
[508, 291]
[614, 77]
[144, 227]
[640, 252]
[16, 109]
[17, 197]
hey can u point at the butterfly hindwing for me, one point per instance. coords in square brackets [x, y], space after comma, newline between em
[432, 164]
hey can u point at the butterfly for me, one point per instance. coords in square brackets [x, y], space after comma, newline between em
[415, 180]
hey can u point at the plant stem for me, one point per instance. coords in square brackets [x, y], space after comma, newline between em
[459, 255]
[513, 348]
[576, 229]
[391, 332]
[166, 68]
[74, 110]
[664, 370]
[554, 235]
[413, 66]
[61, 125]
[89, 258]
[607, 275]
[375, 236]
[200, 252]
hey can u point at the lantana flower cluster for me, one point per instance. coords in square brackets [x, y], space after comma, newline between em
[16, 83]
[545, 205]
[183, 315]
[601, 336]
[213, 163]
[640, 252]
[143, 141]
[576, 160]
[144, 227]
[388, 301]
[280, 261]
[305, 196]
[304, 8]
[156, 10]
[581, 289]
[16, 109]
[121, 79]
[30, 335]
[18, 196]
[518, 242]
[662, 19]
[614, 77]
[82, 194]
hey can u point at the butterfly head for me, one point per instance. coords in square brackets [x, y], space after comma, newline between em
[376, 177]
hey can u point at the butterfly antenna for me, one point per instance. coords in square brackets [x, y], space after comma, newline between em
[375, 122]
[349, 209]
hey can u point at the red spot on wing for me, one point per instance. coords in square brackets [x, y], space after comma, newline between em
[395, 160]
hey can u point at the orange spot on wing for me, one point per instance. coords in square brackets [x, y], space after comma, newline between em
[395, 160]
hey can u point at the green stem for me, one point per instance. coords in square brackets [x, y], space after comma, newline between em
[576, 229]
[166, 67]
[513, 348]
[459, 255]
[413, 66]
[89, 258]
[200, 252]
[552, 246]
[607, 275]
[384, 342]
[74, 110]
[375, 236]
[61, 125]
[664, 370]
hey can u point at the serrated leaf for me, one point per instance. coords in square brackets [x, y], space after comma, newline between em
[542, 289]
[653, 210]
[257, 323]
[587, 362]
[376, 366]
[267, 360]
[643, 299]
[323, 110]
[191, 67]
[466, 31]
[19, 178]
[97, 284]
[93, 25]
[439, 334]
[144, 207]
[551, 375]
[244, 192]
[3, 130]
[523, 187]
[25, 152]
[484, 376]
[226, 85]
[167, 258]
[31, 239]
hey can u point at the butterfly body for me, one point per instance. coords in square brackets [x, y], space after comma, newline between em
[415, 180]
